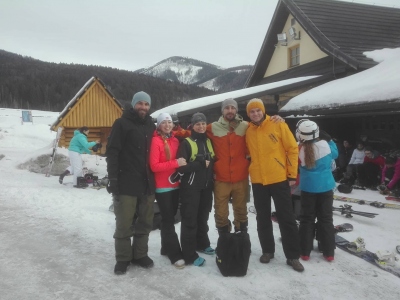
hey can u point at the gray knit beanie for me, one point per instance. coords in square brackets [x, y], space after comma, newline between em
[229, 101]
[141, 96]
[198, 117]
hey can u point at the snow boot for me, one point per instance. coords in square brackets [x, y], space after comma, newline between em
[145, 262]
[121, 267]
[61, 178]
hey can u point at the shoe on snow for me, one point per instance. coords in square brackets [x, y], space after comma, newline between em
[329, 258]
[266, 257]
[295, 264]
[199, 262]
[179, 264]
[121, 267]
[305, 257]
[208, 251]
[145, 262]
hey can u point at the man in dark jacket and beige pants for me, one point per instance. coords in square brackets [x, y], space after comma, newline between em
[132, 183]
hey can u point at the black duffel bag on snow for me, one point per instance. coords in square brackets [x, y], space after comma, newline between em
[233, 253]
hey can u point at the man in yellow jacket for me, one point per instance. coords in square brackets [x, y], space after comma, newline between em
[273, 169]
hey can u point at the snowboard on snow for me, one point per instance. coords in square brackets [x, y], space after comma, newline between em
[348, 212]
[382, 259]
[367, 202]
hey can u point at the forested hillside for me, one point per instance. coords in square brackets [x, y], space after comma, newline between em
[29, 83]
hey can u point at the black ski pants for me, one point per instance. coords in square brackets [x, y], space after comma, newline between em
[168, 203]
[280, 193]
[317, 206]
[195, 209]
[368, 173]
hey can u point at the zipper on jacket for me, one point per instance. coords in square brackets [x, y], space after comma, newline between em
[279, 163]
[273, 138]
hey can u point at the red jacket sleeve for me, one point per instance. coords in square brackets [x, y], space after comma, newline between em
[156, 165]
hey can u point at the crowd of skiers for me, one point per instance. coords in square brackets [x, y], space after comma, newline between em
[190, 169]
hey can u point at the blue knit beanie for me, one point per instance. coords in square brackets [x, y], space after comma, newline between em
[141, 96]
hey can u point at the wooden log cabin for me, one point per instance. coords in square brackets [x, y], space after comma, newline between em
[93, 106]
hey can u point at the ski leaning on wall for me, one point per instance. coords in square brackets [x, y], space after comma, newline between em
[53, 155]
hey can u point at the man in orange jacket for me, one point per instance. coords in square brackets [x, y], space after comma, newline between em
[273, 169]
[230, 168]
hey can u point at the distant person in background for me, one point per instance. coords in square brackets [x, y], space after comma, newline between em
[79, 144]
[345, 154]
[390, 179]
[357, 158]
[163, 163]
[317, 150]
[368, 173]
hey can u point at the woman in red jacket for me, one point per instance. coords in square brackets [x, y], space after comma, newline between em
[163, 163]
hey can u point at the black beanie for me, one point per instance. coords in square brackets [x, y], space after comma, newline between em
[198, 117]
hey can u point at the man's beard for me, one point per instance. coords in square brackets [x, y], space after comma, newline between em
[230, 117]
[142, 113]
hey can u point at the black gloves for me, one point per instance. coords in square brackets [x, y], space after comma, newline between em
[112, 187]
[324, 136]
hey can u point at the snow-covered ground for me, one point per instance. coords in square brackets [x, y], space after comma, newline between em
[56, 242]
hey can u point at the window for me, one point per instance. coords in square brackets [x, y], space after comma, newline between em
[292, 22]
[294, 56]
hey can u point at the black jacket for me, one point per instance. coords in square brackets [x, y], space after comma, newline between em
[195, 173]
[127, 154]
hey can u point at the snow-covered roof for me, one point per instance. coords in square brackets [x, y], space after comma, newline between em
[215, 100]
[377, 85]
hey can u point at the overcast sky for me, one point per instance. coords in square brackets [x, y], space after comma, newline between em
[133, 34]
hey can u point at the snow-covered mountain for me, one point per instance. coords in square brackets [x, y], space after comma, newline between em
[195, 72]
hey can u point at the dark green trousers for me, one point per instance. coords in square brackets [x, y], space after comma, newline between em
[125, 208]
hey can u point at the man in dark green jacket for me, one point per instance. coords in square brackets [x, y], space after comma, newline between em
[132, 183]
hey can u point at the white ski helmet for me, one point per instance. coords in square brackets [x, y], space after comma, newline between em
[306, 130]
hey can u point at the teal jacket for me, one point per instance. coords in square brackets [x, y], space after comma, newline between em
[79, 143]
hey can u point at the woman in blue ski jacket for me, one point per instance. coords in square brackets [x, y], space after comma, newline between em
[79, 144]
[316, 152]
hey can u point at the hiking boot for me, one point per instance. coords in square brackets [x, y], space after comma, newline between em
[179, 264]
[145, 262]
[208, 251]
[266, 257]
[121, 267]
[199, 262]
[295, 264]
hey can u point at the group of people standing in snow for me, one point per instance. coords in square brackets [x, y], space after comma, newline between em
[147, 162]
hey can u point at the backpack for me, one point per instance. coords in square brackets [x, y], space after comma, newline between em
[233, 253]
[345, 188]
